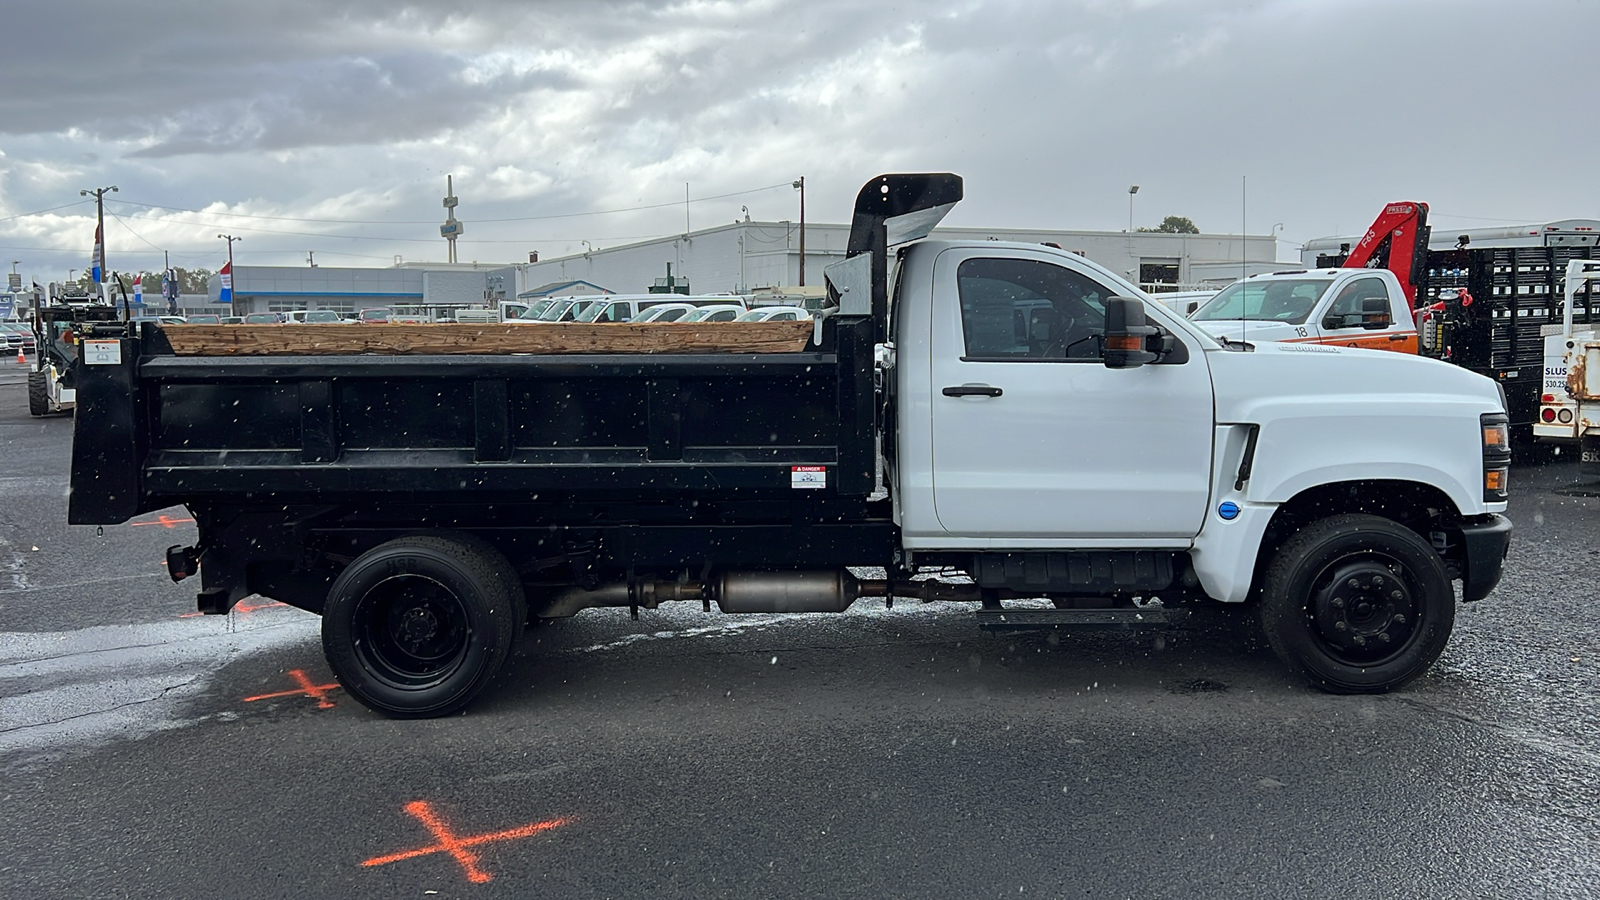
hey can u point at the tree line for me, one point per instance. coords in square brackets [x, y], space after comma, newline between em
[190, 281]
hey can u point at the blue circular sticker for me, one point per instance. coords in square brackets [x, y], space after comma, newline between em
[1229, 510]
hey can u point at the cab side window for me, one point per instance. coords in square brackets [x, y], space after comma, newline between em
[1349, 308]
[1028, 309]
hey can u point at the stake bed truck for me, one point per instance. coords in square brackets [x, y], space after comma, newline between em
[1042, 430]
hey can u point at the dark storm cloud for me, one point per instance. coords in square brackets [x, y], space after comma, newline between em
[361, 100]
[204, 77]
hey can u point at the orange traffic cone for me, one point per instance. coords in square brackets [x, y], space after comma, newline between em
[21, 360]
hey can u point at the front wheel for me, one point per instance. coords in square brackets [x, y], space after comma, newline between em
[1357, 604]
[417, 627]
[38, 394]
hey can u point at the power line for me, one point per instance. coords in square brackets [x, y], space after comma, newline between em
[40, 212]
[598, 212]
[135, 233]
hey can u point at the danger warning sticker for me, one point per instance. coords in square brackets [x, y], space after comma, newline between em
[808, 476]
[102, 353]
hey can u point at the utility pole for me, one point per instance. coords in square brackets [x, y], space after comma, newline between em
[686, 209]
[227, 280]
[801, 185]
[452, 227]
[99, 230]
[311, 258]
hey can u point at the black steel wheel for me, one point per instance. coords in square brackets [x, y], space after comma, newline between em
[1357, 604]
[38, 394]
[419, 626]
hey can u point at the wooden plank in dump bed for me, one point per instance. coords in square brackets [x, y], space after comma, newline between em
[625, 337]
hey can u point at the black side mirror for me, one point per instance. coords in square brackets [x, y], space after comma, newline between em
[1127, 337]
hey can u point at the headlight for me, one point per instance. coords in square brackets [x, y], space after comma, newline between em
[1495, 432]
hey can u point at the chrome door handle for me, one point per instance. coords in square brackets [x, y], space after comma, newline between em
[972, 390]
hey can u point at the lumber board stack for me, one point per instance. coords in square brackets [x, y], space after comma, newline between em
[565, 337]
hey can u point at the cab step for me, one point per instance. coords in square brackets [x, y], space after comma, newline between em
[1018, 619]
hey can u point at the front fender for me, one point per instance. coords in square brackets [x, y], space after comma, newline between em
[1339, 441]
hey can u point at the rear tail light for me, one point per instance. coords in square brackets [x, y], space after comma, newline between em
[1547, 414]
[1565, 416]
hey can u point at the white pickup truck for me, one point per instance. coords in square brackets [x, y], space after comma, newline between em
[1045, 431]
[1341, 307]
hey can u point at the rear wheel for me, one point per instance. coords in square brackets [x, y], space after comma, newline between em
[38, 394]
[1357, 604]
[419, 626]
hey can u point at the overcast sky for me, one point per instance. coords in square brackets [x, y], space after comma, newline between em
[330, 125]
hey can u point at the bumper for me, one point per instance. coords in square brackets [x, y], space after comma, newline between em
[1485, 542]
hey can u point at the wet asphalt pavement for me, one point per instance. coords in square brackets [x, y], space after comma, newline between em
[896, 753]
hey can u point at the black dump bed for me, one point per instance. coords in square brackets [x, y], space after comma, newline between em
[156, 429]
[579, 463]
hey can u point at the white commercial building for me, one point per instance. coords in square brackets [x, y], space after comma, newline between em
[740, 257]
[743, 256]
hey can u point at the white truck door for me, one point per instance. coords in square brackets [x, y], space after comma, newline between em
[1033, 437]
[1346, 319]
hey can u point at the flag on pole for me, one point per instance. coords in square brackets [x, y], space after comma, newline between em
[138, 290]
[227, 283]
[99, 253]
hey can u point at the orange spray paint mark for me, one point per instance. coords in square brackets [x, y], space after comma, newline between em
[163, 521]
[241, 608]
[317, 692]
[457, 847]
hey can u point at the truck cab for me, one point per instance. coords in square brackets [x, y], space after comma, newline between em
[1341, 307]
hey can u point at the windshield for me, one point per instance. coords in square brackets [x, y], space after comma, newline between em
[322, 315]
[754, 315]
[561, 310]
[537, 309]
[376, 315]
[592, 311]
[1279, 300]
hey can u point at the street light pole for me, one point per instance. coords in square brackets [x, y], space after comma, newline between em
[230, 239]
[99, 229]
[801, 186]
[1132, 189]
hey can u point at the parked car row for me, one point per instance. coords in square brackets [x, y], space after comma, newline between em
[605, 308]
[16, 336]
[656, 308]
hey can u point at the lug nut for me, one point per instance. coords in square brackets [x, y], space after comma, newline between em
[1355, 583]
[1396, 595]
[1384, 636]
[1340, 626]
[1400, 618]
[1338, 603]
